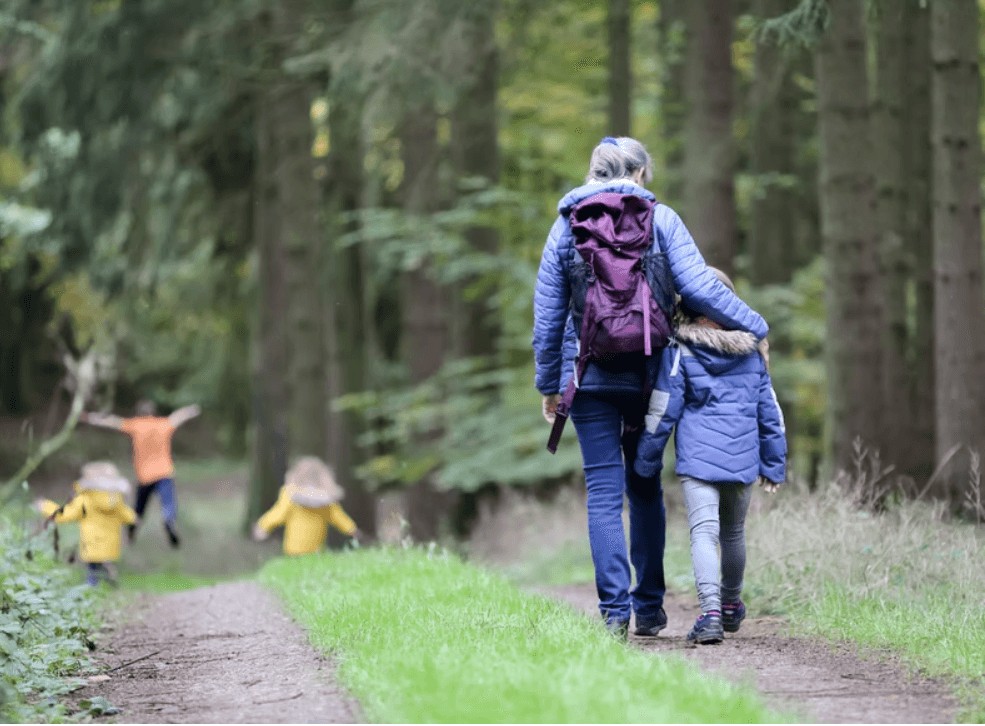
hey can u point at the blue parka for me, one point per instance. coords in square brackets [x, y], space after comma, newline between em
[714, 387]
[554, 339]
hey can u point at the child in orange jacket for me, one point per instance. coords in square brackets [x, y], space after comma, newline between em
[307, 505]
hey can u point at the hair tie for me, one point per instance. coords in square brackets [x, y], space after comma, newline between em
[610, 140]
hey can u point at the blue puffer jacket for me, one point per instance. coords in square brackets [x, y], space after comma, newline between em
[554, 340]
[714, 386]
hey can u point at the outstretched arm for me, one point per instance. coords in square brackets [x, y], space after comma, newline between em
[102, 420]
[184, 414]
[274, 517]
[697, 284]
[71, 512]
[337, 518]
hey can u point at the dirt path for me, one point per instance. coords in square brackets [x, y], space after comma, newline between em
[820, 682]
[221, 654]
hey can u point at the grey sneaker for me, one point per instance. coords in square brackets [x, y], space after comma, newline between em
[707, 629]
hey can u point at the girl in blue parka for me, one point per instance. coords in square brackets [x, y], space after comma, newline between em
[714, 387]
[608, 408]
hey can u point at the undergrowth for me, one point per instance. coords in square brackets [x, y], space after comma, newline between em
[907, 579]
[46, 617]
[422, 637]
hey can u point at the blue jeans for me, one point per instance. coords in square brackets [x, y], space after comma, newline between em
[608, 428]
[165, 490]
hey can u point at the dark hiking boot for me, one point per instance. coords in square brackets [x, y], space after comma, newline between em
[733, 613]
[172, 536]
[707, 629]
[651, 626]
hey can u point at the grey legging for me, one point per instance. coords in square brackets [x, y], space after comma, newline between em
[714, 508]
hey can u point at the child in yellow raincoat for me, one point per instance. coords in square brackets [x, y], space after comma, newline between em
[101, 510]
[307, 505]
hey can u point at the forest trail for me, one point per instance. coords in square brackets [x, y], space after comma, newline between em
[816, 681]
[229, 654]
[221, 654]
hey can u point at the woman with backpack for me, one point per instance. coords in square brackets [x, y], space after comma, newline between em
[603, 302]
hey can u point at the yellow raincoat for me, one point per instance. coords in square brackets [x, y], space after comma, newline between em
[304, 527]
[100, 515]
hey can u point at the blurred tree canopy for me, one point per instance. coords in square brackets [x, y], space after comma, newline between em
[322, 220]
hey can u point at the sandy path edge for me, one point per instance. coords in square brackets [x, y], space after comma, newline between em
[221, 654]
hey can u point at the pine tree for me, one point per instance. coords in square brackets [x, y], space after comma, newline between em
[853, 297]
[959, 306]
[709, 148]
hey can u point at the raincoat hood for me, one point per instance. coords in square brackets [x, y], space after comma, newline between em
[102, 476]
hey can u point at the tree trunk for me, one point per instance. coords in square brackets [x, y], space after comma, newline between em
[299, 197]
[959, 313]
[853, 298]
[620, 71]
[672, 34]
[270, 361]
[476, 156]
[709, 148]
[887, 142]
[773, 149]
[918, 235]
[346, 315]
[425, 324]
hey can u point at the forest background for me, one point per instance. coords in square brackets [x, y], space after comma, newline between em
[322, 221]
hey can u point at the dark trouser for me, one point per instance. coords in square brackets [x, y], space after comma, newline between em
[165, 490]
[609, 428]
[96, 571]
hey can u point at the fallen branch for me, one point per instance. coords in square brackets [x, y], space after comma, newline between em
[937, 472]
[131, 662]
[82, 377]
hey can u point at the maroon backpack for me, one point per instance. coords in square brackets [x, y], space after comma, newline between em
[622, 296]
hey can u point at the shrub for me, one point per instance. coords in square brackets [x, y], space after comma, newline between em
[45, 621]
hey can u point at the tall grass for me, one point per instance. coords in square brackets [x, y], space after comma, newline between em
[905, 578]
[425, 638]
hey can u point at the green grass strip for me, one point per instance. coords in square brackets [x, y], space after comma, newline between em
[423, 637]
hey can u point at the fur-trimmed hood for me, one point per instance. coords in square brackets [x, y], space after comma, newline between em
[717, 350]
[729, 342]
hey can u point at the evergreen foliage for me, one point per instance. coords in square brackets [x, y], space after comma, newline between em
[139, 200]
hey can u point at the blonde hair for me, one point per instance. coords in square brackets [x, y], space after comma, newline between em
[103, 476]
[313, 482]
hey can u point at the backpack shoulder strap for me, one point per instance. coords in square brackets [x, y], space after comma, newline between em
[658, 247]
